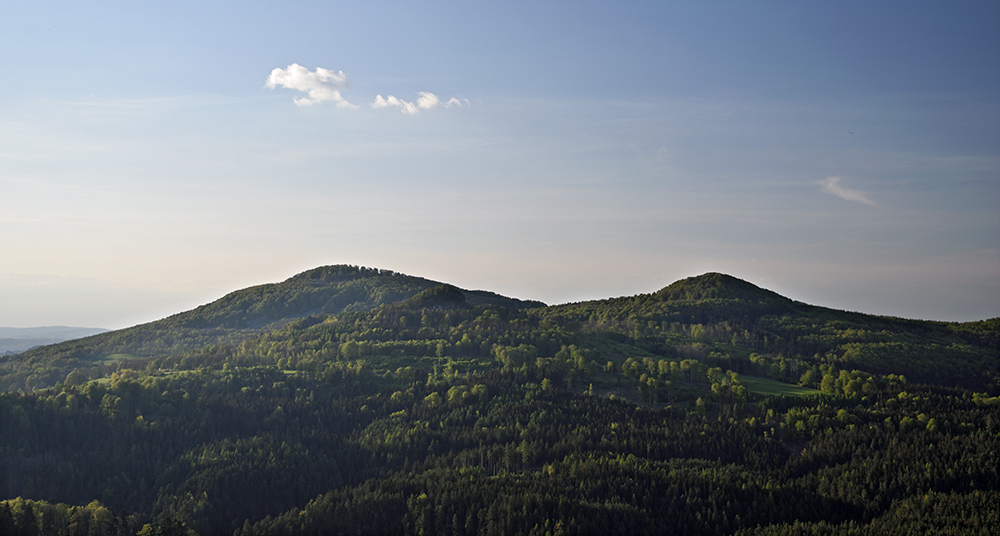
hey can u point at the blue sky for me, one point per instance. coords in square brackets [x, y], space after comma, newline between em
[845, 154]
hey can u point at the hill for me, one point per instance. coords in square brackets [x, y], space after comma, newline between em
[230, 320]
[324, 290]
[686, 317]
[718, 286]
[354, 400]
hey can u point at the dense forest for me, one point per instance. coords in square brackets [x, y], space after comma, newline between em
[350, 400]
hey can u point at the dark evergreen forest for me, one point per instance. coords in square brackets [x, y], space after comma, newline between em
[351, 400]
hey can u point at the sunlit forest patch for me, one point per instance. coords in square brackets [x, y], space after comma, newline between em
[709, 407]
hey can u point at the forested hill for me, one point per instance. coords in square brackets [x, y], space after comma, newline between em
[708, 298]
[236, 316]
[324, 290]
[358, 401]
[718, 286]
[687, 316]
[735, 318]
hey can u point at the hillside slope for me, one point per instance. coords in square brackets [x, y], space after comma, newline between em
[713, 314]
[735, 319]
[231, 319]
[711, 407]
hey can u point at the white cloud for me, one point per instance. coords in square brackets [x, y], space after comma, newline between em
[320, 85]
[831, 185]
[325, 85]
[425, 101]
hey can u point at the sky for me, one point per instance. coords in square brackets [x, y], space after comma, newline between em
[156, 156]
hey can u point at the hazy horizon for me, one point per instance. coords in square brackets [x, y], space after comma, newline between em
[187, 308]
[154, 158]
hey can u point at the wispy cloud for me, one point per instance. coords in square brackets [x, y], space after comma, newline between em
[320, 85]
[831, 185]
[425, 101]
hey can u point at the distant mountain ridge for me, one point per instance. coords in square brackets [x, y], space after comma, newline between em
[738, 311]
[326, 290]
[323, 290]
[49, 332]
[13, 340]
[349, 399]
[714, 285]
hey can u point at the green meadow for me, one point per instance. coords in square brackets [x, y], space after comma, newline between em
[767, 386]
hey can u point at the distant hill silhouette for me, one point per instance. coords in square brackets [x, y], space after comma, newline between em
[357, 400]
[324, 290]
[737, 311]
[714, 286]
[13, 340]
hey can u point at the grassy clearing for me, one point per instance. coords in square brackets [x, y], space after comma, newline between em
[767, 386]
[114, 358]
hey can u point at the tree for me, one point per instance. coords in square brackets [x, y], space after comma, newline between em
[76, 378]
[167, 527]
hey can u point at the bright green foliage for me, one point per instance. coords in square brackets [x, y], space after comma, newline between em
[710, 407]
